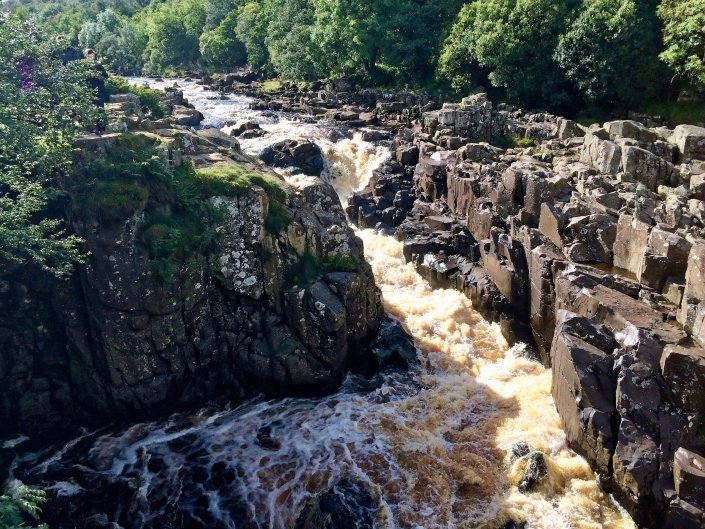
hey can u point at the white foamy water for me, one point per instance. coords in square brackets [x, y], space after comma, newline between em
[433, 441]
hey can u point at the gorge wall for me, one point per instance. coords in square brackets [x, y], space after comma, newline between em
[117, 341]
[589, 240]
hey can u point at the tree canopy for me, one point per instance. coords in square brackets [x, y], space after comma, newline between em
[557, 54]
[45, 103]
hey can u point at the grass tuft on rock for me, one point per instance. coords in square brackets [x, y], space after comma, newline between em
[310, 268]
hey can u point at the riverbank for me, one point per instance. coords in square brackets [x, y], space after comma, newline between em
[589, 239]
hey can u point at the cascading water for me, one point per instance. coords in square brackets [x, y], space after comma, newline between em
[434, 442]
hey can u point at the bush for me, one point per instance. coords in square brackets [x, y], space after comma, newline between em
[19, 505]
[150, 99]
[44, 105]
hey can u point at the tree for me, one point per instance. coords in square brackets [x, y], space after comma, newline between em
[173, 31]
[684, 38]
[220, 47]
[350, 34]
[217, 10]
[515, 41]
[251, 29]
[43, 105]
[610, 51]
[290, 44]
[115, 40]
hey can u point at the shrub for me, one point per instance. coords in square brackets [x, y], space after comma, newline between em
[150, 99]
[44, 105]
[17, 505]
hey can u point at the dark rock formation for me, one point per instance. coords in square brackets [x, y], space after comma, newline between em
[593, 240]
[303, 156]
[118, 342]
[350, 504]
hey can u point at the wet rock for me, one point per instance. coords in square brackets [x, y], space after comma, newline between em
[350, 504]
[304, 156]
[242, 127]
[266, 440]
[584, 386]
[535, 472]
[689, 476]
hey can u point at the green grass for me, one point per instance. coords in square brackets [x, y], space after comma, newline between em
[522, 143]
[149, 98]
[310, 268]
[271, 86]
[115, 201]
[233, 180]
[677, 112]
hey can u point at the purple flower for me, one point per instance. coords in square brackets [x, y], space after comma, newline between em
[24, 66]
[28, 85]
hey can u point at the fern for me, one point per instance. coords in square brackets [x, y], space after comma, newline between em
[19, 505]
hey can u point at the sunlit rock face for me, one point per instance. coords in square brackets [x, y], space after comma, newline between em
[120, 342]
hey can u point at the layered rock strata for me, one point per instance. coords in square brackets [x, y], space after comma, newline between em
[590, 241]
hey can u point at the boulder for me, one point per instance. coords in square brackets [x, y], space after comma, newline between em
[683, 368]
[188, 117]
[407, 155]
[629, 129]
[302, 156]
[690, 141]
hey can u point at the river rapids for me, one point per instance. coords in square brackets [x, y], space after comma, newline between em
[435, 442]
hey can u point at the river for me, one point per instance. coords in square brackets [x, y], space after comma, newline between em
[435, 442]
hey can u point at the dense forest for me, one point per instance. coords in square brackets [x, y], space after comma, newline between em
[565, 56]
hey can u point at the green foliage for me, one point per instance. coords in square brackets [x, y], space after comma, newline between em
[149, 99]
[44, 105]
[292, 51]
[220, 47]
[522, 143]
[117, 41]
[515, 41]
[609, 51]
[675, 112]
[19, 505]
[251, 29]
[684, 38]
[173, 30]
[310, 268]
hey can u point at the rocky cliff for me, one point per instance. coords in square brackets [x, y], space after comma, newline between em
[263, 289]
[590, 241]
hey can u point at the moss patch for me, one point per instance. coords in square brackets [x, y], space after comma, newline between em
[310, 268]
